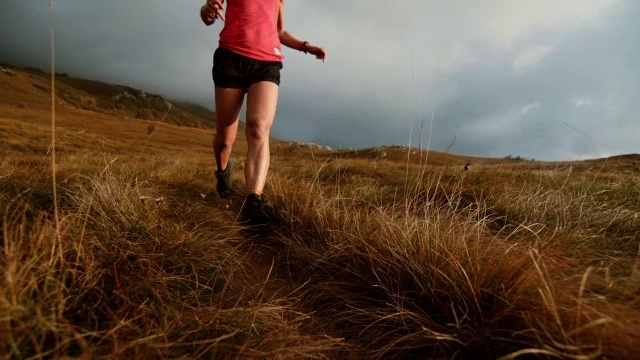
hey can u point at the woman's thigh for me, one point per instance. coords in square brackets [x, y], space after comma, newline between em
[262, 101]
[228, 105]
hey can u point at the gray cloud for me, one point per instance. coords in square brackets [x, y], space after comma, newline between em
[584, 94]
[540, 79]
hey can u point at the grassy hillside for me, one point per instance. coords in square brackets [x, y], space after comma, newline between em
[378, 253]
[28, 88]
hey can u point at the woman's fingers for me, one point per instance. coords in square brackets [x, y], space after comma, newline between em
[214, 9]
[220, 14]
[320, 53]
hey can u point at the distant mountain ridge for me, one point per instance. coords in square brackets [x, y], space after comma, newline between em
[101, 97]
[29, 88]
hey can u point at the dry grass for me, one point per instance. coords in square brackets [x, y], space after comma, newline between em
[128, 279]
[431, 273]
[373, 257]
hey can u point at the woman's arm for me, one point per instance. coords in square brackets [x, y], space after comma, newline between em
[288, 40]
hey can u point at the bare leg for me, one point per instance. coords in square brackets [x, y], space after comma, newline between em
[262, 101]
[228, 104]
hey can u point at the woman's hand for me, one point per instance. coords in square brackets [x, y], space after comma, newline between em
[319, 52]
[211, 11]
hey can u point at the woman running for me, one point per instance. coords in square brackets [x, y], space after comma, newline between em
[248, 61]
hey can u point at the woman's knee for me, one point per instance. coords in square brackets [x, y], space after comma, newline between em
[258, 129]
[221, 142]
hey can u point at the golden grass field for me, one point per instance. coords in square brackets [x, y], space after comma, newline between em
[400, 256]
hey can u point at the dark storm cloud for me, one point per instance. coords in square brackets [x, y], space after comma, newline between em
[540, 79]
[582, 101]
[154, 45]
[556, 91]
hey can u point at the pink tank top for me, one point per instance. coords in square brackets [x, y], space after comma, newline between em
[251, 29]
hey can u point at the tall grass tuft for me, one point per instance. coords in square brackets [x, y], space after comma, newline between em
[125, 280]
[429, 274]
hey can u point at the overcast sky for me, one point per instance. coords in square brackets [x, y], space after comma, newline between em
[543, 79]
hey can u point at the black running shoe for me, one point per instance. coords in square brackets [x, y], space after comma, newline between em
[257, 212]
[224, 181]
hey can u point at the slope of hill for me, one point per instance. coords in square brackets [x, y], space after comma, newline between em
[31, 87]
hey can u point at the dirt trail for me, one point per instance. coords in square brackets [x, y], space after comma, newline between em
[266, 263]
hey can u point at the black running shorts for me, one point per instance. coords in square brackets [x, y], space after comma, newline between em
[231, 70]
